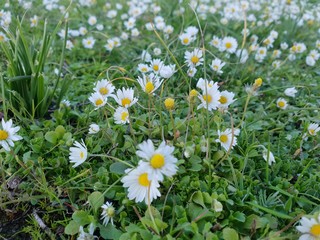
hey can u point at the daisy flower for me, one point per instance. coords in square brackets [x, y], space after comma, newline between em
[186, 39]
[125, 97]
[97, 100]
[8, 134]
[160, 162]
[228, 44]
[225, 138]
[149, 83]
[282, 103]
[34, 21]
[108, 213]
[88, 42]
[194, 58]
[92, 20]
[217, 65]
[144, 68]
[167, 71]
[313, 129]
[140, 186]
[85, 236]
[203, 82]
[104, 87]
[310, 228]
[78, 153]
[226, 99]
[210, 98]
[121, 115]
[191, 71]
[215, 42]
[94, 128]
[156, 65]
[268, 156]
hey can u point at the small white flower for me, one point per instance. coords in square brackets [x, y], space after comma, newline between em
[225, 138]
[282, 103]
[88, 42]
[78, 154]
[268, 156]
[124, 97]
[121, 115]
[290, 92]
[194, 58]
[310, 61]
[34, 21]
[167, 71]
[149, 83]
[144, 68]
[226, 99]
[97, 100]
[94, 128]
[186, 39]
[156, 65]
[218, 207]
[92, 20]
[8, 134]
[210, 97]
[87, 236]
[310, 228]
[217, 65]
[313, 128]
[108, 213]
[228, 44]
[104, 87]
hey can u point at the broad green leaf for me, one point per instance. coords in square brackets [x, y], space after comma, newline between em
[72, 228]
[198, 198]
[52, 137]
[109, 232]
[118, 167]
[239, 216]
[96, 200]
[230, 234]
[81, 217]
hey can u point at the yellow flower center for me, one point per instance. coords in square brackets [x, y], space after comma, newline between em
[144, 69]
[281, 104]
[194, 59]
[223, 100]
[124, 116]
[223, 138]
[216, 67]
[125, 101]
[267, 41]
[110, 212]
[228, 45]
[294, 48]
[155, 67]
[207, 98]
[169, 103]
[143, 180]
[103, 91]
[261, 51]
[185, 40]
[258, 82]
[157, 160]
[3, 135]
[315, 230]
[149, 87]
[99, 102]
[81, 154]
[193, 93]
[89, 42]
[312, 132]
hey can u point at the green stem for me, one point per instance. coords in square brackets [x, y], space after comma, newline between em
[113, 158]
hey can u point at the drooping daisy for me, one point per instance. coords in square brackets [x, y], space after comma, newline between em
[310, 228]
[167, 70]
[210, 98]
[313, 129]
[290, 92]
[217, 65]
[149, 83]
[104, 87]
[140, 186]
[108, 213]
[225, 138]
[97, 100]
[282, 103]
[88, 42]
[226, 99]
[268, 156]
[194, 58]
[8, 134]
[78, 154]
[121, 115]
[160, 161]
[94, 128]
[191, 71]
[228, 44]
[203, 82]
[125, 97]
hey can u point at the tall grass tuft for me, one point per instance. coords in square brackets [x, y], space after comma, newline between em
[27, 90]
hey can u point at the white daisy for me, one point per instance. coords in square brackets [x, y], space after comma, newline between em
[125, 97]
[160, 162]
[225, 138]
[144, 68]
[97, 100]
[226, 99]
[104, 87]
[88, 42]
[156, 65]
[310, 228]
[215, 42]
[228, 44]
[108, 213]
[290, 92]
[94, 128]
[194, 58]
[217, 65]
[149, 83]
[92, 20]
[140, 186]
[282, 103]
[313, 128]
[121, 115]
[8, 134]
[186, 39]
[167, 71]
[202, 84]
[78, 154]
[210, 98]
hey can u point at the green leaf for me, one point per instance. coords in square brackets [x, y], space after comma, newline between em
[239, 216]
[271, 211]
[198, 198]
[72, 228]
[51, 137]
[109, 232]
[118, 168]
[96, 200]
[81, 217]
[60, 130]
[229, 234]
[255, 222]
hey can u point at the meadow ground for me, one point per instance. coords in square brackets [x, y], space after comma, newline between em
[160, 119]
